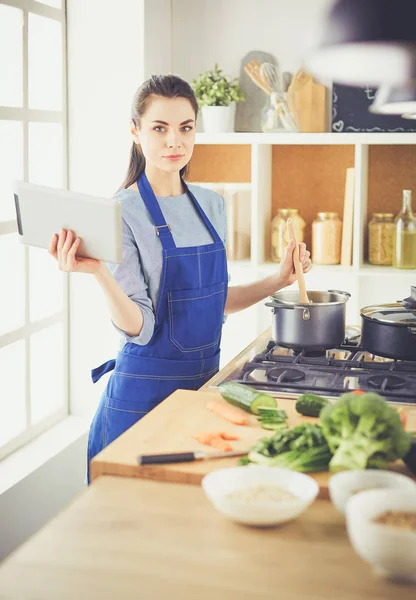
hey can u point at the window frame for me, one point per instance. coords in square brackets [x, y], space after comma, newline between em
[25, 116]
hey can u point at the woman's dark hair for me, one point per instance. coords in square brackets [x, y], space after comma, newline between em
[167, 86]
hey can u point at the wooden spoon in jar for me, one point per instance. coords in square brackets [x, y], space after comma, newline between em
[303, 296]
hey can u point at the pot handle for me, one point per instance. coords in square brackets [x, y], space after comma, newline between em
[341, 292]
[280, 306]
[410, 302]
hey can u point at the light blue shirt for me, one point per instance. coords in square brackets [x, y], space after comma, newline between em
[140, 272]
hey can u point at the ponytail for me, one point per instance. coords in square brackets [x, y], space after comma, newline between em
[136, 167]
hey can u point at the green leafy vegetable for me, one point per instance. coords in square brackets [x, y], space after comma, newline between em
[363, 431]
[302, 448]
[410, 457]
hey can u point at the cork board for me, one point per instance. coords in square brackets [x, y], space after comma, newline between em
[391, 169]
[310, 178]
[229, 163]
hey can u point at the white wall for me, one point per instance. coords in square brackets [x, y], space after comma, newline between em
[223, 31]
[28, 505]
[105, 67]
[158, 37]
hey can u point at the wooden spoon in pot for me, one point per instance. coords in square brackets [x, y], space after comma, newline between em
[303, 296]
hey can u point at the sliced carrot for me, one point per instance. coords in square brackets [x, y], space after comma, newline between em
[228, 436]
[205, 437]
[221, 444]
[231, 413]
[216, 439]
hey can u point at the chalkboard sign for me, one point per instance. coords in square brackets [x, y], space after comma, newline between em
[350, 113]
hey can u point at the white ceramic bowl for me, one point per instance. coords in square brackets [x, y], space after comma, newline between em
[392, 551]
[347, 483]
[218, 484]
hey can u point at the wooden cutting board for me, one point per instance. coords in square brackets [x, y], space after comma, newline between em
[170, 427]
[307, 102]
[347, 221]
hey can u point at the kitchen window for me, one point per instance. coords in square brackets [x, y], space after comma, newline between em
[34, 293]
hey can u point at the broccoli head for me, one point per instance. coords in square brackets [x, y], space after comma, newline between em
[363, 432]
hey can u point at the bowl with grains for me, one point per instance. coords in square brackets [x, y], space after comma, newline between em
[381, 526]
[345, 484]
[258, 495]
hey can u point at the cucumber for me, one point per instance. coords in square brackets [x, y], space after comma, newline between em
[273, 426]
[246, 397]
[272, 414]
[310, 405]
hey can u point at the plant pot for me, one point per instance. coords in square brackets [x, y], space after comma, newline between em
[218, 119]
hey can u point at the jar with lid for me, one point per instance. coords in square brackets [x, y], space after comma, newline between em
[380, 238]
[404, 253]
[279, 232]
[326, 238]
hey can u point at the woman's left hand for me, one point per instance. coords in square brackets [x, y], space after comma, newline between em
[287, 274]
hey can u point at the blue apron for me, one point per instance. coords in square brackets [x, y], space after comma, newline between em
[184, 351]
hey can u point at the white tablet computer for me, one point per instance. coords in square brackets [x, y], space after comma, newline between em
[42, 211]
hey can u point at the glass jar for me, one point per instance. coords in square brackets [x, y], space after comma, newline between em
[276, 116]
[404, 244]
[326, 238]
[279, 232]
[380, 238]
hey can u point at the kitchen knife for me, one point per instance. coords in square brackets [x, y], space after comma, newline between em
[160, 459]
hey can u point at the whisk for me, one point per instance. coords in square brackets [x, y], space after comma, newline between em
[271, 75]
[272, 78]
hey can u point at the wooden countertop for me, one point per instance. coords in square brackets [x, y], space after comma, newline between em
[170, 428]
[128, 538]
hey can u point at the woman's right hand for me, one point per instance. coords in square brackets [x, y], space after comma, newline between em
[64, 249]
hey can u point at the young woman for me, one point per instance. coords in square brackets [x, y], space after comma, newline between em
[169, 296]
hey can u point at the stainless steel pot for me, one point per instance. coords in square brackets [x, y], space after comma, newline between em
[319, 325]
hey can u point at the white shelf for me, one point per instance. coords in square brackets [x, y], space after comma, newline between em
[367, 284]
[319, 269]
[367, 270]
[231, 186]
[307, 138]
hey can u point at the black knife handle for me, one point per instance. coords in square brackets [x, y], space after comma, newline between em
[160, 459]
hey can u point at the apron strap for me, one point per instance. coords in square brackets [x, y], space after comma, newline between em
[98, 372]
[202, 214]
[162, 228]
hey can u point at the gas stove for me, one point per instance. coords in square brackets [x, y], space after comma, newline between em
[288, 373]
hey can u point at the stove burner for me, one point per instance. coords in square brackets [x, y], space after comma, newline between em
[386, 382]
[347, 367]
[310, 353]
[283, 374]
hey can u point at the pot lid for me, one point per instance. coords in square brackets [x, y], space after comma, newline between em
[395, 314]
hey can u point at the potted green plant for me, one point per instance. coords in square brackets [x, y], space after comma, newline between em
[217, 95]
